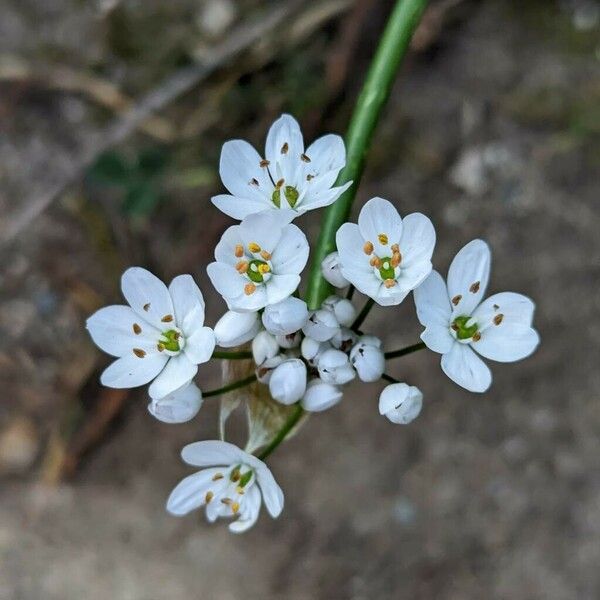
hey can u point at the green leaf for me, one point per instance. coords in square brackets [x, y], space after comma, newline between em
[111, 168]
[152, 162]
[141, 198]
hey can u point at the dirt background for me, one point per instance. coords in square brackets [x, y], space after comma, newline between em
[492, 129]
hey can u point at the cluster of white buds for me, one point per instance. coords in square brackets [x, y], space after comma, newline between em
[305, 357]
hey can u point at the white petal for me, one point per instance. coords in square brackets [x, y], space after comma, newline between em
[285, 164]
[291, 254]
[255, 301]
[369, 285]
[250, 511]
[271, 492]
[468, 277]
[350, 245]
[239, 208]
[507, 344]
[178, 371]
[280, 287]
[200, 345]
[264, 347]
[312, 200]
[285, 317]
[288, 381]
[515, 309]
[147, 295]
[418, 239]
[131, 371]
[226, 246]
[235, 329]
[264, 229]
[431, 300]
[327, 158]
[188, 304]
[212, 452]
[400, 403]
[466, 369]
[226, 280]
[332, 271]
[320, 396]
[189, 493]
[379, 216]
[438, 338]
[178, 407]
[390, 296]
[112, 329]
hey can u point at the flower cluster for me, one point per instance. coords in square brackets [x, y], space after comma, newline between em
[303, 356]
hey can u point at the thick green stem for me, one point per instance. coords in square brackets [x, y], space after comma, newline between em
[376, 90]
[362, 315]
[230, 387]
[404, 351]
[283, 432]
[238, 355]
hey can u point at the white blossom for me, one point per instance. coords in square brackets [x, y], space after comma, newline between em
[368, 359]
[385, 256]
[320, 396]
[321, 325]
[289, 180]
[265, 370]
[288, 381]
[344, 339]
[179, 406]
[400, 403]
[334, 367]
[160, 336]
[235, 328]
[232, 483]
[311, 350]
[289, 341]
[264, 346]
[343, 309]
[285, 317]
[457, 322]
[258, 262]
[332, 271]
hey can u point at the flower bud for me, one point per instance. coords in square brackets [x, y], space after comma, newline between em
[368, 360]
[400, 403]
[234, 328]
[331, 270]
[343, 309]
[311, 350]
[288, 381]
[179, 406]
[289, 341]
[264, 346]
[265, 370]
[335, 368]
[344, 339]
[320, 396]
[285, 317]
[321, 325]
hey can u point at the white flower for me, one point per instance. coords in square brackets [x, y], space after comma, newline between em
[179, 406]
[320, 396]
[321, 325]
[264, 346]
[344, 339]
[289, 179]
[384, 256]
[265, 370]
[368, 359]
[285, 317]
[343, 309]
[234, 328]
[331, 271]
[457, 321]
[311, 350]
[335, 368]
[400, 403]
[234, 486]
[159, 336]
[258, 262]
[289, 341]
[288, 381]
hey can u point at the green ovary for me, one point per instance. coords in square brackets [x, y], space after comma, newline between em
[170, 341]
[291, 195]
[462, 331]
[386, 271]
[254, 270]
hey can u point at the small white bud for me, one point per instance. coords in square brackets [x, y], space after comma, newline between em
[288, 381]
[179, 406]
[311, 350]
[321, 325]
[344, 339]
[264, 371]
[320, 396]
[371, 340]
[334, 367]
[368, 360]
[400, 403]
[331, 270]
[285, 317]
[264, 346]
[234, 328]
[343, 309]
[289, 341]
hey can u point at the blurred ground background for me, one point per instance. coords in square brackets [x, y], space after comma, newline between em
[492, 129]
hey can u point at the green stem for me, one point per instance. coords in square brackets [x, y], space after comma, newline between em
[404, 351]
[350, 292]
[230, 387]
[389, 378]
[362, 315]
[376, 90]
[283, 432]
[238, 355]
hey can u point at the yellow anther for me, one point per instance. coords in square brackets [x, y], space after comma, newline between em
[368, 248]
[396, 259]
[395, 248]
[375, 262]
[137, 329]
[235, 507]
[498, 319]
[383, 239]
[265, 255]
[475, 287]
[262, 269]
[239, 250]
[209, 496]
[242, 266]
[217, 476]
[253, 247]
[280, 183]
[476, 336]
[139, 352]
[160, 346]
[249, 289]
[167, 318]
[240, 490]
[389, 283]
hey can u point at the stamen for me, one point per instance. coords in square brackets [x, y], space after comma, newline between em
[262, 269]
[264, 163]
[239, 251]
[389, 283]
[217, 476]
[160, 346]
[383, 238]
[137, 329]
[456, 299]
[279, 183]
[235, 507]
[476, 337]
[226, 501]
[304, 158]
[395, 248]
[240, 490]
[253, 247]
[266, 255]
[139, 352]
[242, 266]
[167, 318]
[475, 287]
[209, 496]
[285, 148]
[254, 181]
[498, 319]
[375, 262]
[147, 307]
[368, 248]
[309, 177]
[249, 289]
[396, 259]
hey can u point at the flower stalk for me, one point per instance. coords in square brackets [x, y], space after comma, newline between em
[405, 351]
[236, 355]
[230, 387]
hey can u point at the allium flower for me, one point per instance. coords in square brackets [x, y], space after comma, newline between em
[285, 317]
[159, 336]
[179, 406]
[264, 346]
[288, 179]
[311, 350]
[368, 359]
[320, 396]
[335, 368]
[288, 381]
[258, 262]
[400, 403]
[385, 256]
[457, 321]
[321, 325]
[332, 271]
[265, 370]
[234, 486]
[234, 328]
[343, 309]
